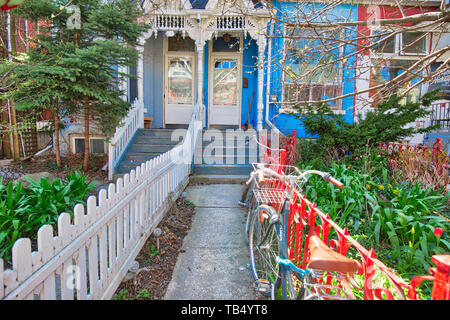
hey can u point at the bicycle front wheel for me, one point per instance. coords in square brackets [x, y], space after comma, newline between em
[264, 246]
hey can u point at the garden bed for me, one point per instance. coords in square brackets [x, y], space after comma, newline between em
[152, 284]
[404, 223]
[70, 163]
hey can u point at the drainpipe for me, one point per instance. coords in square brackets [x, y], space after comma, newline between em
[355, 90]
[269, 62]
[27, 36]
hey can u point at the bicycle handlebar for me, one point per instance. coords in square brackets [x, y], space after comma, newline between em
[329, 178]
[325, 175]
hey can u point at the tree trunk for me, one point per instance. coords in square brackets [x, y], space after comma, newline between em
[6, 144]
[15, 135]
[57, 146]
[12, 110]
[86, 133]
[5, 132]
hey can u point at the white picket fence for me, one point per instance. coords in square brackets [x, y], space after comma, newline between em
[124, 134]
[88, 256]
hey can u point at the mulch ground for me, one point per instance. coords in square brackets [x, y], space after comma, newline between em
[151, 284]
[69, 163]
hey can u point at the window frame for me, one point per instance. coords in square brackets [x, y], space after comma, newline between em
[398, 47]
[339, 83]
[375, 66]
[73, 139]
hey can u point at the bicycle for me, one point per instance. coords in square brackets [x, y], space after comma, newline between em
[268, 245]
[257, 182]
[275, 158]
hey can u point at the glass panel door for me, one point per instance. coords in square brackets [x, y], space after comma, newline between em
[225, 90]
[179, 88]
[225, 82]
[180, 82]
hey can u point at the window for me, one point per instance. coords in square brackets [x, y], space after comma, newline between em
[132, 85]
[96, 145]
[384, 71]
[226, 43]
[312, 71]
[198, 4]
[177, 43]
[392, 57]
[406, 43]
[414, 43]
[179, 80]
[386, 46]
[225, 77]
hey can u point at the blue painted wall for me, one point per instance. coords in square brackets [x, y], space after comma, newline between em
[249, 71]
[287, 123]
[153, 80]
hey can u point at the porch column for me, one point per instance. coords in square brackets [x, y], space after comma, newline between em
[261, 49]
[200, 45]
[140, 75]
[140, 64]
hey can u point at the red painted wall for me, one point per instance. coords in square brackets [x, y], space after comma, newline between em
[371, 13]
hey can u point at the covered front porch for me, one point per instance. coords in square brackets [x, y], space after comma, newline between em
[203, 57]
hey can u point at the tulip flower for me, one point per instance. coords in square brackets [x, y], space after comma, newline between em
[438, 232]
[9, 4]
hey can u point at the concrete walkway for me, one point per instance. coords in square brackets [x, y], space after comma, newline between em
[212, 263]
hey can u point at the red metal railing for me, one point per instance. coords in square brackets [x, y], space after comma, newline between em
[374, 280]
[431, 164]
[307, 220]
[284, 155]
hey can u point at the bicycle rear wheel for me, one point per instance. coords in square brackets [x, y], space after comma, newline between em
[291, 284]
[304, 292]
[251, 201]
[264, 246]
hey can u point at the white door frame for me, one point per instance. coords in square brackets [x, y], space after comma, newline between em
[224, 55]
[184, 111]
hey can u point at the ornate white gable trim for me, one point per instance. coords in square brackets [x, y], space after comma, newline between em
[212, 7]
[202, 24]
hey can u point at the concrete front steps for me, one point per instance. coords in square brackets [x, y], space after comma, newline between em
[222, 158]
[146, 145]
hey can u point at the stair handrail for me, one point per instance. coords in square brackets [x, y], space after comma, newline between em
[124, 134]
[190, 141]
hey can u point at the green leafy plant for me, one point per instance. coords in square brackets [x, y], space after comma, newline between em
[189, 203]
[397, 220]
[24, 211]
[123, 295]
[385, 123]
[144, 294]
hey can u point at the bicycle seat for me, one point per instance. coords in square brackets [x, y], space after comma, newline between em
[325, 259]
